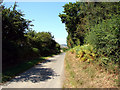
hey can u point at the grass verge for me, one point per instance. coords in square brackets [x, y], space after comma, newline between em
[86, 75]
[10, 73]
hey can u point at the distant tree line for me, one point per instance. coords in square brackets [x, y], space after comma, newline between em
[20, 42]
[96, 24]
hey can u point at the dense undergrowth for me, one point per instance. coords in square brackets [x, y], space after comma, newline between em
[86, 53]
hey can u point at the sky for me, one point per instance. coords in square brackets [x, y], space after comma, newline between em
[45, 17]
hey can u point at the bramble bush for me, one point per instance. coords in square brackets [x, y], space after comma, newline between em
[105, 38]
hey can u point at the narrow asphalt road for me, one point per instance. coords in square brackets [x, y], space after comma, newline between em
[49, 74]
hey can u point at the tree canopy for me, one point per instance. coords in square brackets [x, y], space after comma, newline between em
[79, 17]
[94, 23]
[20, 42]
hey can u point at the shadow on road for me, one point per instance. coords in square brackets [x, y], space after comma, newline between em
[36, 74]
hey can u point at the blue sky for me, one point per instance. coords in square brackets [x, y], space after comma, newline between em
[45, 16]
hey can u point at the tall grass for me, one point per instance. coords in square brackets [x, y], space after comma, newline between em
[87, 74]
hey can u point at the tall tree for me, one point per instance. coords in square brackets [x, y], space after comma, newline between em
[80, 17]
[13, 24]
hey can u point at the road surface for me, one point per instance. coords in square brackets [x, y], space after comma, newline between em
[49, 74]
